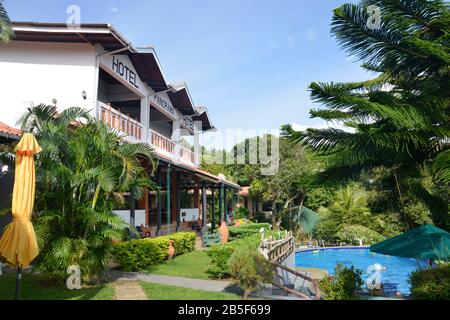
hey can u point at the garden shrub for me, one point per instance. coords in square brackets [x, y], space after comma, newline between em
[431, 284]
[351, 233]
[184, 242]
[346, 284]
[242, 212]
[249, 269]
[138, 255]
[220, 254]
[246, 230]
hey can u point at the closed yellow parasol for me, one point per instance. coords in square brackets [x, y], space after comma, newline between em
[18, 245]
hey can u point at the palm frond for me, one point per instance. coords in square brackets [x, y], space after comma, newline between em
[6, 30]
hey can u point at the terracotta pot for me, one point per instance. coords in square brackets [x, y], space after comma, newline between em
[223, 231]
[171, 249]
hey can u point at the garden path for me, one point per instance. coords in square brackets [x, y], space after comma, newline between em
[129, 290]
[197, 284]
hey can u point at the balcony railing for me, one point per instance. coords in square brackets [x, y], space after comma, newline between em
[134, 131]
[162, 143]
[117, 120]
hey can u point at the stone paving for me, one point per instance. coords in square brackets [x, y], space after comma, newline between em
[129, 290]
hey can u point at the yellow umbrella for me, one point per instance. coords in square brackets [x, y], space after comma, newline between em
[18, 245]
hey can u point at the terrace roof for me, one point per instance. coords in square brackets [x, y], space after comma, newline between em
[9, 132]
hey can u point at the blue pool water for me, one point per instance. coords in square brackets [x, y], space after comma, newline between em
[395, 278]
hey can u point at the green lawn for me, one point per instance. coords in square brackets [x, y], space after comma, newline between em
[33, 290]
[163, 292]
[190, 265]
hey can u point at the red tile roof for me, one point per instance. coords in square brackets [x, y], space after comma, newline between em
[4, 128]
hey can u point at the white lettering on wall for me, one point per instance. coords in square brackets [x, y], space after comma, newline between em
[124, 71]
[161, 102]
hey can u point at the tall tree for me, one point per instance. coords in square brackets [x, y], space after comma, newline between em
[399, 119]
[6, 30]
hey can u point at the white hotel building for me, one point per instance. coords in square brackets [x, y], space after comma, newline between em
[94, 67]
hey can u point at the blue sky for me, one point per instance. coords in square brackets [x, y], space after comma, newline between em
[249, 61]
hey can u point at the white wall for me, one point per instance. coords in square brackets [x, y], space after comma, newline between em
[34, 73]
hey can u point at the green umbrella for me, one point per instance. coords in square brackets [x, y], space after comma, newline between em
[423, 243]
[307, 218]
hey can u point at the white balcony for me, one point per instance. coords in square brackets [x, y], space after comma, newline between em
[162, 144]
[135, 131]
[121, 122]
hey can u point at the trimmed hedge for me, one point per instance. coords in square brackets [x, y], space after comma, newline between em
[431, 284]
[138, 255]
[246, 230]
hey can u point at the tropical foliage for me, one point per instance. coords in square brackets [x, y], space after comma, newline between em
[82, 174]
[400, 119]
[431, 284]
[346, 284]
[348, 218]
[249, 269]
[6, 31]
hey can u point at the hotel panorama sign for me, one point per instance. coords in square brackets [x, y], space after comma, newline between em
[121, 68]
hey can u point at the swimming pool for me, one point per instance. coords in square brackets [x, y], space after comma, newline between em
[395, 278]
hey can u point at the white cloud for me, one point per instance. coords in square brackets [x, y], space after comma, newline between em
[114, 9]
[311, 34]
[290, 41]
[273, 45]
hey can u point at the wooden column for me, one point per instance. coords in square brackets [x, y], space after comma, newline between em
[178, 209]
[213, 210]
[147, 209]
[174, 198]
[196, 193]
[159, 203]
[204, 215]
[225, 205]
[132, 207]
[233, 204]
[168, 199]
[221, 218]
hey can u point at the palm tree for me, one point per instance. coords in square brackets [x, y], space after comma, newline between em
[82, 174]
[399, 119]
[401, 116]
[441, 167]
[6, 31]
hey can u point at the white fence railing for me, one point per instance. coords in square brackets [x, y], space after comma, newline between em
[162, 143]
[117, 120]
[135, 130]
